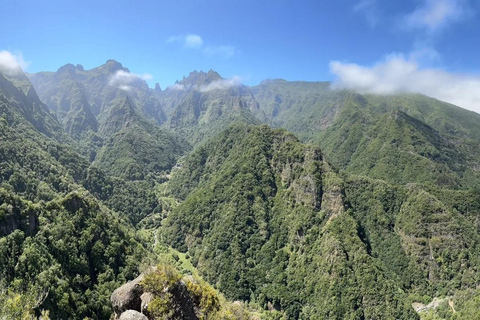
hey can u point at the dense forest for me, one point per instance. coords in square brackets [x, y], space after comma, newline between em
[286, 200]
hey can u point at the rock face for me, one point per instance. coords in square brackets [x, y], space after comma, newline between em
[146, 298]
[132, 315]
[127, 297]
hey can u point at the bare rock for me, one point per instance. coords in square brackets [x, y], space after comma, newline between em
[132, 315]
[127, 297]
[146, 298]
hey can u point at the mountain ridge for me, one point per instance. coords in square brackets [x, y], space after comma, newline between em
[376, 211]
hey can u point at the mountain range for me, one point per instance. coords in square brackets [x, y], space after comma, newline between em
[302, 201]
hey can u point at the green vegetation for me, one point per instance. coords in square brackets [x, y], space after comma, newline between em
[62, 248]
[401, 139]
[199, 113]
[135, 148]
[265, 219]
[270, 225]
[187, 297]
[70, 250]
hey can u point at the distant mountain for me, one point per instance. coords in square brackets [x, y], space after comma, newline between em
[133, 146]
[417, 131]
[196, 107]
[21, 105]
[204, 104]
[109, 110]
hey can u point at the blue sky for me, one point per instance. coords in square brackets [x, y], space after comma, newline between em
[378, 46]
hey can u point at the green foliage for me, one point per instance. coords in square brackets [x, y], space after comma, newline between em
[76, 253]
[177, 297]
[401, 139]
[21, 305]
[264, 219]
[57, 241]
[134, 147]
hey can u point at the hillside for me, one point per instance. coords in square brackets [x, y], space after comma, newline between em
[62, 249]
[203, 104]
[387, 137]
[376, 215]
[266, 219]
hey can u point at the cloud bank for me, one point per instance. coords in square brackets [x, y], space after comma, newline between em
[221, 84]
[434, 15]
[397, 74]
[222, 51]
[176, 87]
[369, 9]
[192, 41]
[123, 79]
[10, 63]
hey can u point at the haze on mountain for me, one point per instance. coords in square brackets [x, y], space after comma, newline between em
[349, 191]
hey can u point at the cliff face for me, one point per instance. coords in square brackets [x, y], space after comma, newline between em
[271, 214]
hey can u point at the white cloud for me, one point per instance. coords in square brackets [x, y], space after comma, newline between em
[173, 39]
[224, 51]
[122, 79]
[12, 63]
[176, 87]
[146, 76]
[397, 74]
[369, 9]
[125, 88]
[221, 84]
[193, 41]
[434, 15]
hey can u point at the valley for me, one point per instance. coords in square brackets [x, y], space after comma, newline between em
[284, 200]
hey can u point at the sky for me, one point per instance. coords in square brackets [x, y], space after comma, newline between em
[372, 46]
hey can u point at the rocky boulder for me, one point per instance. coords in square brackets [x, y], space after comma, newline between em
[132, 315]
[127, 297]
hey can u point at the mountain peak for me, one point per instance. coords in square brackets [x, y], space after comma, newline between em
[66, 68]
[70, 68]
[112, 65]
[200, 78]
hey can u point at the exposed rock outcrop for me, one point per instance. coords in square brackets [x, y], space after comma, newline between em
[132, 315]
[127, 297]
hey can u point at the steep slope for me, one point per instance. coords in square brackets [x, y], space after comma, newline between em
[99, 86]
[61, 248]
[346, 125]
[133, 146]
[304, 108]
[109, 111]
[204, 104]
[427, 238]
[402, 149]
[264, 218]
[21, 103]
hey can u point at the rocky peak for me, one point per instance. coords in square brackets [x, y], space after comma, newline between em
[157, 87]
[112, 66]
[70, 68]
[199, 78]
